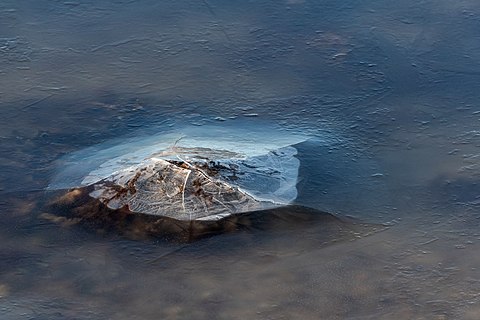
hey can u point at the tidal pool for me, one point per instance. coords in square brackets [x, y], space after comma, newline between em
[385, 222]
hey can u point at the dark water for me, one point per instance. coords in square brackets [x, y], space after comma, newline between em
[390, 87]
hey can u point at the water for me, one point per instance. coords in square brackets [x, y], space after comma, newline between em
[392, 84]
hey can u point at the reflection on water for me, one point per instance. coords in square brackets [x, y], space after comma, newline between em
[392, 84]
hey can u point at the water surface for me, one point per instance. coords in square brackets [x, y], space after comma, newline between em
[389, 89]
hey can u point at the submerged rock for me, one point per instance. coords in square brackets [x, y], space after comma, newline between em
[91, 213]
[175, 189]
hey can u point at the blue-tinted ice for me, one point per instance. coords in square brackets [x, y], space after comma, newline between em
[196, 173]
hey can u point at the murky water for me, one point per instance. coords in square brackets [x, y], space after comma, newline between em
[389, 89]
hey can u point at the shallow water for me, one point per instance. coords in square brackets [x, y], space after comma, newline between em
[389, 89]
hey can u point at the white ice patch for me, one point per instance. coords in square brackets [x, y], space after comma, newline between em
[258, 161]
